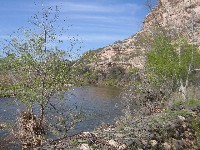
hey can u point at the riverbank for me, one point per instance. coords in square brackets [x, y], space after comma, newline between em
[104, 106]
[173, 128]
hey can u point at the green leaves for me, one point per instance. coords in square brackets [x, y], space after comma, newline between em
[189, 59]
[171, 61]
[36, 71]
[162, 60]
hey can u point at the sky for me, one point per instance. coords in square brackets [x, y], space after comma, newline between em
[96, 23]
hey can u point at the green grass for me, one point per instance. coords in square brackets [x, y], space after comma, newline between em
[177, 113]
[110, 82]
[193, 103]
[196, 126]
[186, 104]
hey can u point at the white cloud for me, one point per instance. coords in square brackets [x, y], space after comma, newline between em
[97, 21]
[103, 37]
[71, 6]
[94, 37]
[102, 18]
[97, 7]
[94, 14]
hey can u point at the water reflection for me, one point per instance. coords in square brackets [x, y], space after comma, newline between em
[99, 104]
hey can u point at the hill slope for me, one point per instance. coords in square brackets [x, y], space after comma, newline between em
[179, 16]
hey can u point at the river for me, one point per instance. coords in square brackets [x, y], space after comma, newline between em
[99, 105]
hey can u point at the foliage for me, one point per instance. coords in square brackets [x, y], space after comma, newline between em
[162, 61]
[171, 61]
[5, 77]
[189, 104]
[196, 126]
[87, 57]
[189, 55]
[132, 70]
[110, 82]
[38, 71]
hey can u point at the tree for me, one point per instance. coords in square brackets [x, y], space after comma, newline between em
[39, 70]
[162, 61]
[5, 76]
[172, 62]
[176, 34]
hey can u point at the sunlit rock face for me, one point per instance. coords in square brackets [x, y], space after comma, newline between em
[182, 16]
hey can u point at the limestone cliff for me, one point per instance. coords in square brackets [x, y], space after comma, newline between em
[182, 16]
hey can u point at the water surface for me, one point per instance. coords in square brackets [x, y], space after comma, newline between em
[99, 104]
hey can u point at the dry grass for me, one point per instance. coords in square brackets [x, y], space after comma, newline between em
[31, 131]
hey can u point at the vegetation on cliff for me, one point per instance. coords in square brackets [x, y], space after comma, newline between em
[164, 89]
[34, 70]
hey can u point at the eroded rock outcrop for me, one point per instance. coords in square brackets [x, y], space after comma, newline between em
[180, 16]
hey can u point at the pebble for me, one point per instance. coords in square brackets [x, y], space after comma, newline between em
[181, 118]
[122, 147]
[113, 143]
[119, 135]
[166, 146]
[84, 147]
[153, 143]
[86, 134]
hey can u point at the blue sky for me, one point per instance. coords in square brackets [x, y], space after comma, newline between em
[96, 22]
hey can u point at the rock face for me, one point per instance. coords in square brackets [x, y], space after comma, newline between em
[126, 53]
[182, 16]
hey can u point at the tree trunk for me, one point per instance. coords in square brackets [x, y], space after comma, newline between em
[183, 90]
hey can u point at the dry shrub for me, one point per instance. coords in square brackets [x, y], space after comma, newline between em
[178, 103]
[144, 98]
[31, 130]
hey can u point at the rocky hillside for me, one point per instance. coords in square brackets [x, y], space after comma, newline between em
[182, 16]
